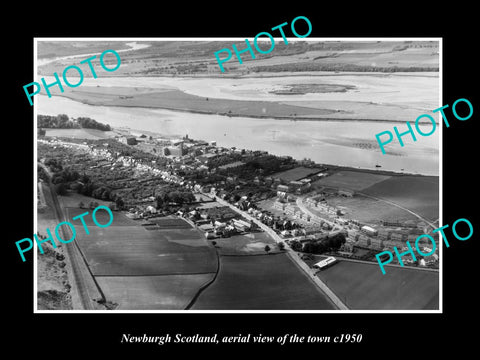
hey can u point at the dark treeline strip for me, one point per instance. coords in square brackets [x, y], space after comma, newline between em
[62, 121]
[310, 66]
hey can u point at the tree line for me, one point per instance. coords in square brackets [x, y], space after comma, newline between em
[64, 178]
[329, 243]
[173, 194]
[304, 66]
[62, 121]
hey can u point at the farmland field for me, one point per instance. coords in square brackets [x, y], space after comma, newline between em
[72, 200]
[295, 174]
[248, 244]
[364, 287]
[131, 250]
[271, 282]
[368, 210]
[171, 223]
[167, 292]
[354, 180]
[416, 193]
[419, 194]
[102, 217]
[146, 269]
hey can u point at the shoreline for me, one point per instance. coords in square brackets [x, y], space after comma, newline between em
[294, 119]
[269, 74]
[122, 131]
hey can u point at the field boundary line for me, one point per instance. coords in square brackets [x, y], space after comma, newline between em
[399, 206]
[149, 275]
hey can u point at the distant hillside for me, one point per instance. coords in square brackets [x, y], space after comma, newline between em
[305, 66]
[52, 49]
[172, 58]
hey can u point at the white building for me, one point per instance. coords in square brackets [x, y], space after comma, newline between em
[369, 230]
[325, 262]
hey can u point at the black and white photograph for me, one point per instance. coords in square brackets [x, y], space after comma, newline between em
[238, 186]
[217, 179]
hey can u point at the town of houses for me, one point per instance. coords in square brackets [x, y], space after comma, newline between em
[301, 215]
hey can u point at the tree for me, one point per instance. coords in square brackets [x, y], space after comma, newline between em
[120, 203]
[307, 247]
[62, 121]
[106, 194]
[214, 243]
[160, 201]
[102, 193]
[267, 248]
[176, 197]
[81, 205]
[84, 178]
[320, 247]
[315, 247]
[60, 189]
[54, 164]
[42, 174]
[97, 193]
[77, 187]
[336, 241]
[88, 188]
[281, 246]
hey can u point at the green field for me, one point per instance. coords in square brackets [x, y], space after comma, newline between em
[295, 174]
[363, 286]
[126, 249]
[168, 292]
[171, 223]
[354, 180]
[261, 282]
[368, 210]
[102, 217]
[248, 244]
[419, 194]
[145, 269]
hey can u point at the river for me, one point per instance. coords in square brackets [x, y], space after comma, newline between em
[349, 143]
[392, 96]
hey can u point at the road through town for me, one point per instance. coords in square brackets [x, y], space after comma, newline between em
[292, 255]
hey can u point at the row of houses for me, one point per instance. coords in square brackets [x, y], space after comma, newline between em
[323, 206]
[404, 224]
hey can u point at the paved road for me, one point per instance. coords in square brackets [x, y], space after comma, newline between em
[291, 254]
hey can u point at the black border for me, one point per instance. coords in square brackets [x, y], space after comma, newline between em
[386, 334]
